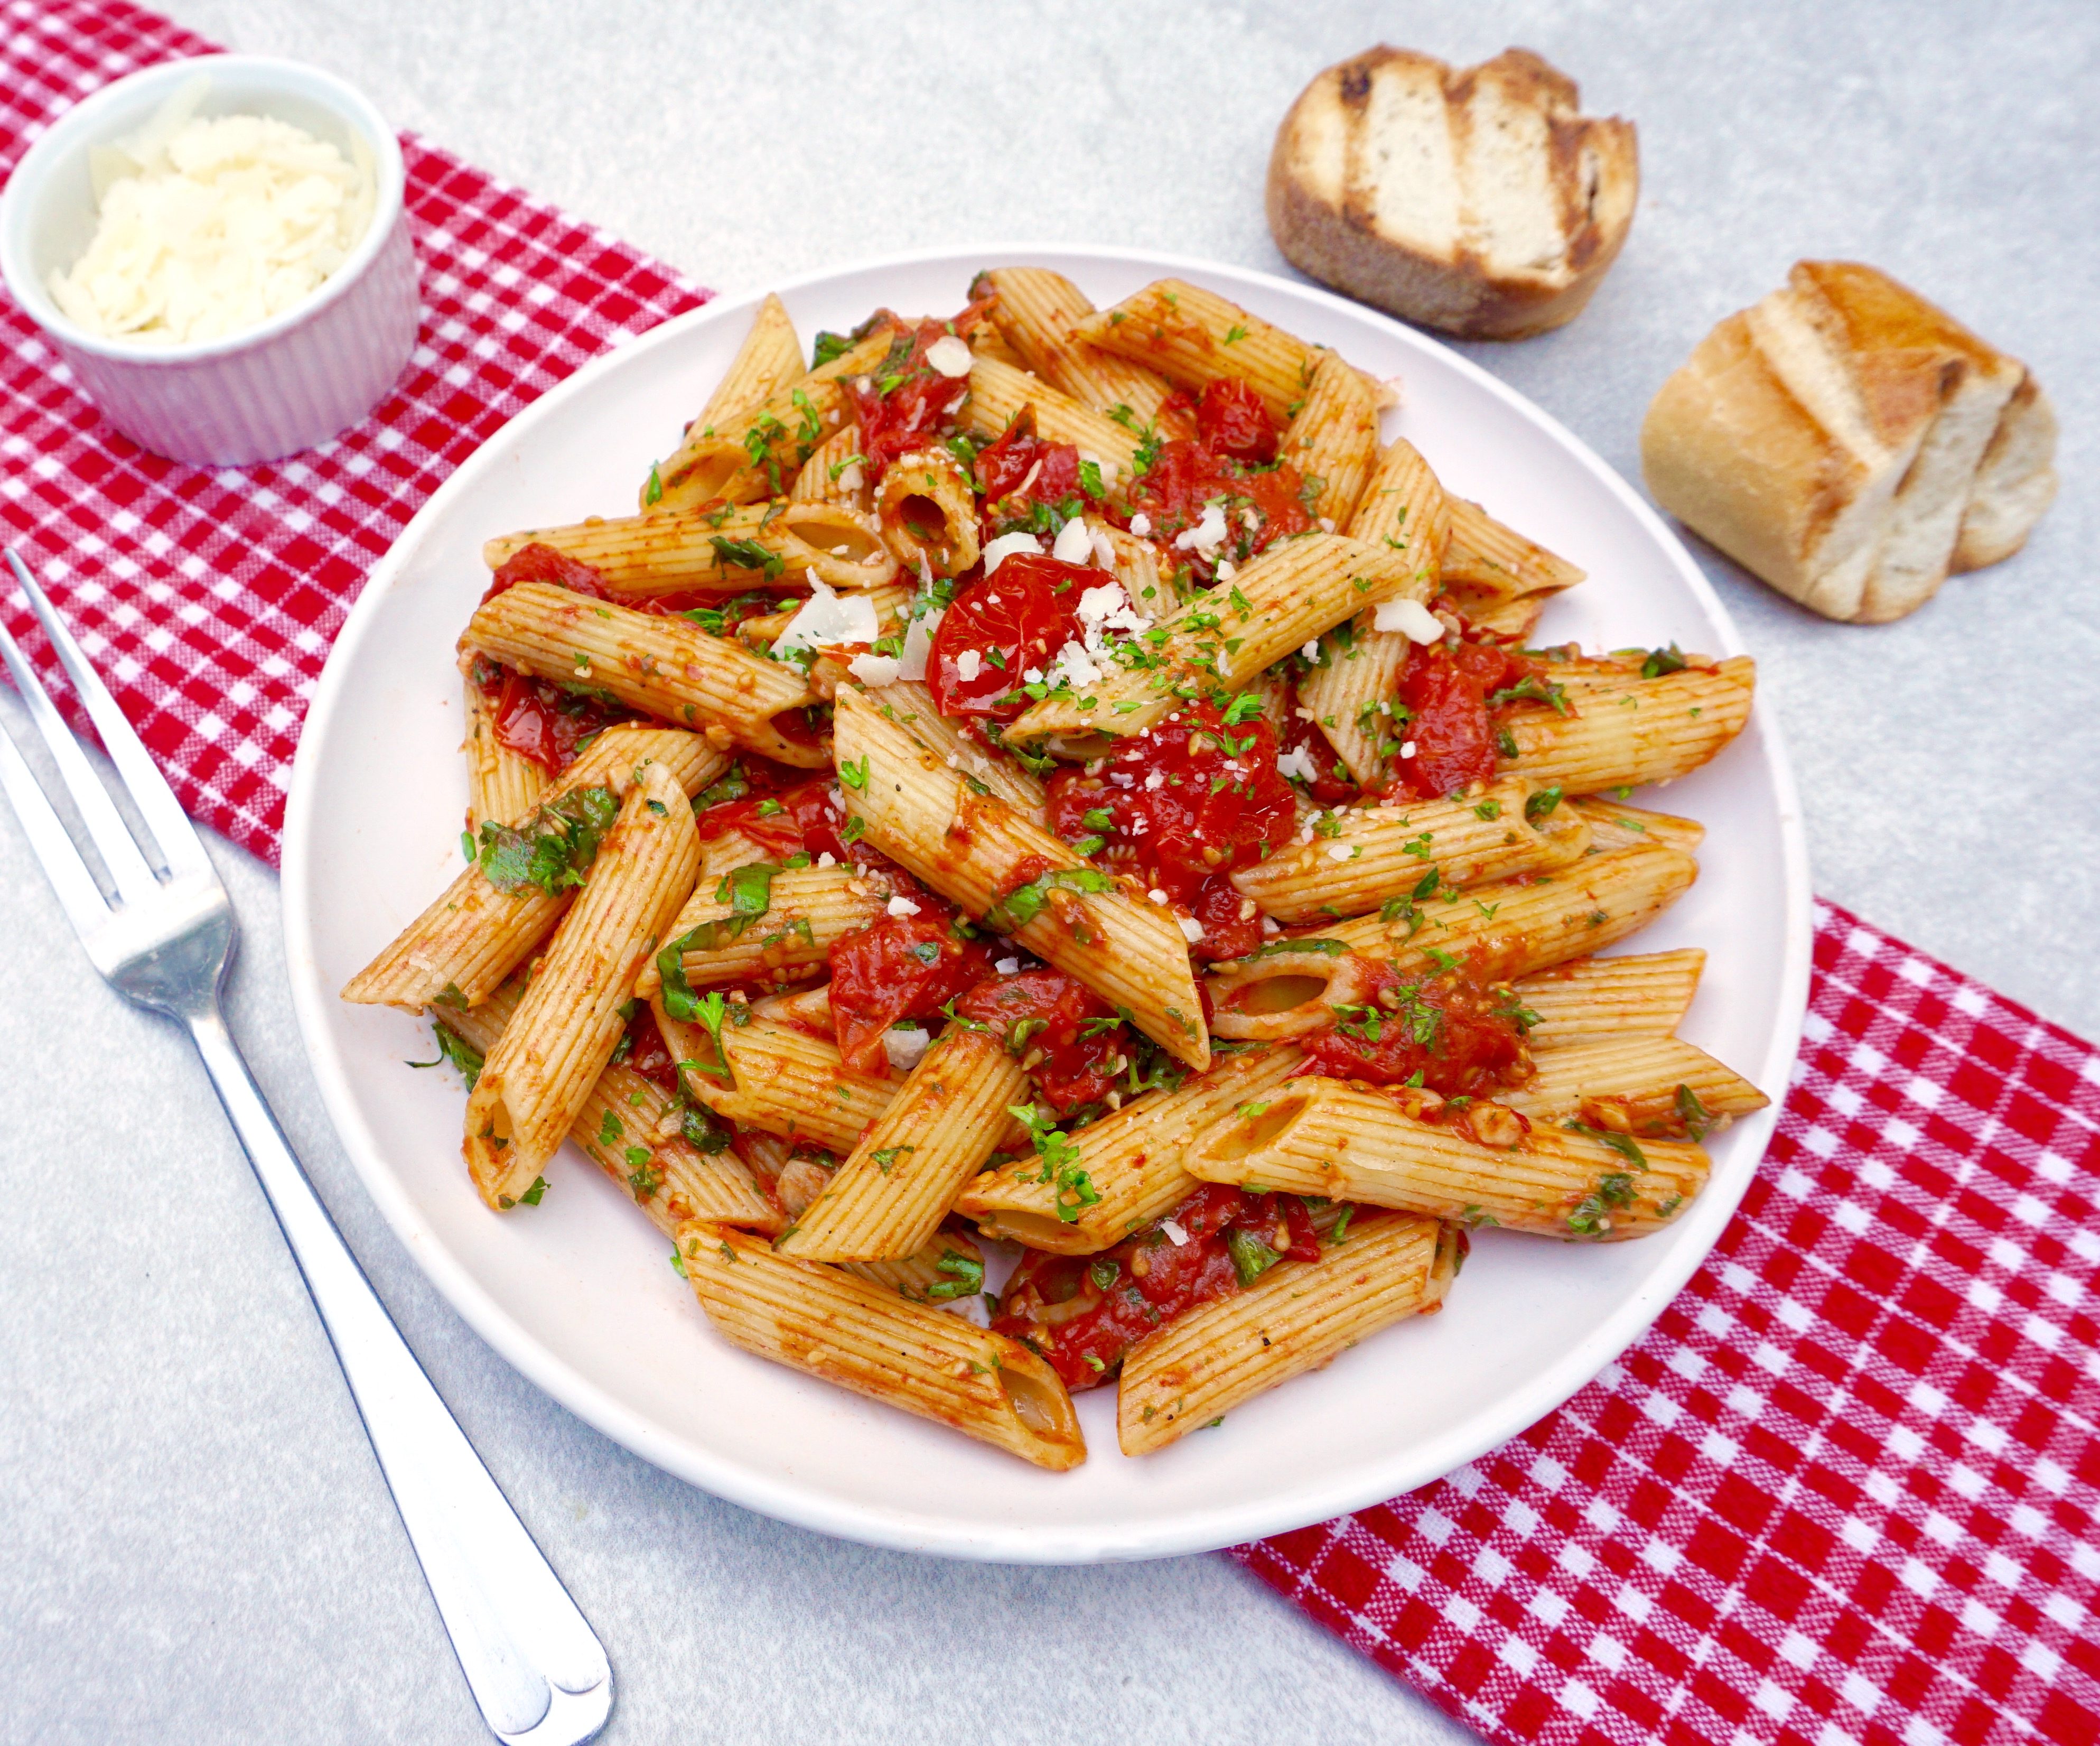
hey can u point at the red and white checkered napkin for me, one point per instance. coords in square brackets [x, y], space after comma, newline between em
[1846, 1489]
[208, 598]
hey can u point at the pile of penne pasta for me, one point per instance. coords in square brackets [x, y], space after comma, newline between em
[1052, 777]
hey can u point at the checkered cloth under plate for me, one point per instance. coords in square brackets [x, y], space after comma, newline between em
[1844, 1491]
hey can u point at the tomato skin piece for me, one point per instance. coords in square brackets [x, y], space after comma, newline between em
[1448, 1027]
[1077, 1065]
[542, 563]
[899, 966]
[1085, 1329]
[1232, 422]
[540, 720]
[1026, 611]
[1021, 470]
[786, 812]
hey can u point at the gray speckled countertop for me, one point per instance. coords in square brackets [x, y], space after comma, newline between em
[198, 1545]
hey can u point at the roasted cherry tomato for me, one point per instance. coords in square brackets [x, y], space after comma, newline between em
[1462, 1038]
[1000, 629]
[1072, 1035]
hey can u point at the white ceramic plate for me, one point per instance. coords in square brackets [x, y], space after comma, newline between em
[578, 1293]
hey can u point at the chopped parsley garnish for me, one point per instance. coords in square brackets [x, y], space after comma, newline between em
[557, 846]
[456, 1049]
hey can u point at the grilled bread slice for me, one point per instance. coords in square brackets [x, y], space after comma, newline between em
[1851, 443]
[1480, 201]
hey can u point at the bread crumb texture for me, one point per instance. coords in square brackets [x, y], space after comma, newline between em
[1851, 443]
[1481, 201]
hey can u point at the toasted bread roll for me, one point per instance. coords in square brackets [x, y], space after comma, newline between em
[1480, 201]
[1851, 443]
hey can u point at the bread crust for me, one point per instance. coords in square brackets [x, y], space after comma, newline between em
[1850, 444]
[1331, 179]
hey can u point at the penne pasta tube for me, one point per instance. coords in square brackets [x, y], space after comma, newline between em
[1497, 577]
[981, 854]
[1614, 825]
[1333, 438]
[1037, 313]
[1382, 852]
[1647, 1086]
[1587, 999]
[535, 1081]
[666, 667]
[1297, 590]
[1320, 1136]
[1515, 927]
[783, 1080]
[836, 472]
[910, 705]
[768, 360]
[1136, 563]
[1194, 338]
[946, 1268]
[927, 510]
[1275, 997]
[632, 1132]
[728, 549]
[985, 341]
[760, 923]
[890, 1195]
[1131, 1159]
[478, 931]
[1404, 507]
[999, 391]
[756, 451]
[864, 1337]
[1628, 733]
[501, 785]
[1298, 1316]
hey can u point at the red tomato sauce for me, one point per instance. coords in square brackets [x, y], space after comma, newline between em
[1021, 470]
[1447, 690]
[538, 719]
[1187, 801]
[1073, 1031]
[899, 966]
[1233, 455]
[1461, 1037]
[783, 811]
[1083, 1313]
[906, 403]
[1015, 621]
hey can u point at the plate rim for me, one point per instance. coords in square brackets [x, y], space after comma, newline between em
[925, 1531]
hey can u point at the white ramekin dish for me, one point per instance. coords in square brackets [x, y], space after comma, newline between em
[287, 384]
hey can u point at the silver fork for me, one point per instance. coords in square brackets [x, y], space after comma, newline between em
[537, 1669]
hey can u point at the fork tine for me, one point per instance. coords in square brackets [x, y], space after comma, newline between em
[148, 789]
[67, 872]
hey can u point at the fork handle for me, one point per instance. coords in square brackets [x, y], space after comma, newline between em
[535, 1668]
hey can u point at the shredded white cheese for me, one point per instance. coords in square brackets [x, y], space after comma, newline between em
[949, 356]
[1192, 930]
[1175, 1233]
[1008, 966]
[1297, 765]
[1411, 617]
[1141, 524]
[827, 617]
[208, 227]
[906, 1048]
[1208, 534]
[997, 551]
[902, 906]
[969, 664]
[1074, 544]
[874, 669]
